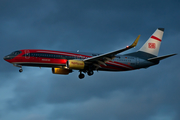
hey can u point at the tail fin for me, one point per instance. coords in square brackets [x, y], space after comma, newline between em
[153, 43]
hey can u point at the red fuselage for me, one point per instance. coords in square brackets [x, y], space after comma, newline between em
[49, 58]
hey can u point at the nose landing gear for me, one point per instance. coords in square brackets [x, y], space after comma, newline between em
[20, 67]
[20, 70]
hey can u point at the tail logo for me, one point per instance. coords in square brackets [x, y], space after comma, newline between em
[152, 45]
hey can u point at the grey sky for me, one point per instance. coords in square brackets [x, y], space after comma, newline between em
[89, 26]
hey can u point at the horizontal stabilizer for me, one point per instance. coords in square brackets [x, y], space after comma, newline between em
[161, 57]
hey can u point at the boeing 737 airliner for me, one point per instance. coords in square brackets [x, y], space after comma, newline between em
[65, 62]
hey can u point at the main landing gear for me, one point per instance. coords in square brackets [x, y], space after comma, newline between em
[81, 75]
[90, 72]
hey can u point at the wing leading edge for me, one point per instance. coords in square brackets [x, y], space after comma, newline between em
[103, 58]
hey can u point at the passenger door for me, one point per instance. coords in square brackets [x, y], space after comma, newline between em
[27, 54]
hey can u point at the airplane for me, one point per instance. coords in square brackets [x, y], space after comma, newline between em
[65, 62]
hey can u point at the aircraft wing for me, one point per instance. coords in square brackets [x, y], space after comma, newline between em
[103, 58]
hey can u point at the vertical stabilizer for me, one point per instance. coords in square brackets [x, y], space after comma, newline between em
[153, 43]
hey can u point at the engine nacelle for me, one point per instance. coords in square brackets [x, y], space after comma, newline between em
[75, 64]
[61, 71]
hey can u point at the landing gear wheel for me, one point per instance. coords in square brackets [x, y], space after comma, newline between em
[20, 70]
[90, 72]
[81, 76]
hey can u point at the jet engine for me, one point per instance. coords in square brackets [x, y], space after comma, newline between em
[61, 71]
[75, 64]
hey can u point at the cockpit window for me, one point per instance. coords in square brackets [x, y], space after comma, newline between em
[15, 53]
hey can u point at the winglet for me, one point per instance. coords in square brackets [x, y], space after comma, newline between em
[135, 42]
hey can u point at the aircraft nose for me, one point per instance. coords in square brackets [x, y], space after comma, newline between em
[6, 57]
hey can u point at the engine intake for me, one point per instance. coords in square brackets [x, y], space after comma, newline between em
[75, 64]
[61, 71]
